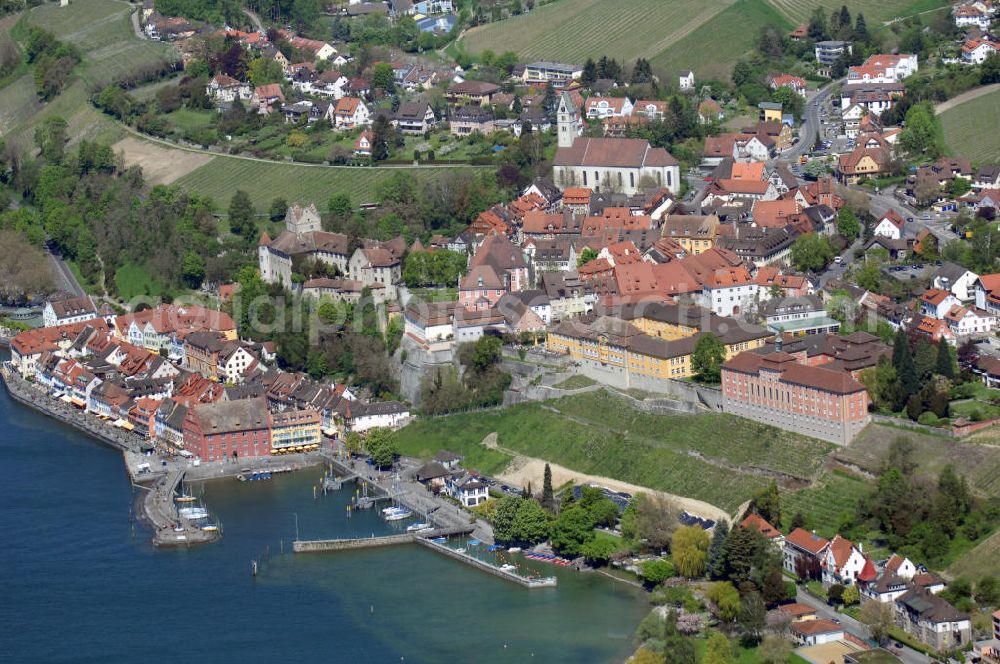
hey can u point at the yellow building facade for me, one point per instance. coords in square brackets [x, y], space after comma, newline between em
[653, 340]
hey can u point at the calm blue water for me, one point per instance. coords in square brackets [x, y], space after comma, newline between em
[79, 586]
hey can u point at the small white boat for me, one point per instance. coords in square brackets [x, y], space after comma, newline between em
[397, 514]
[507, 567]
[514, 549]
[210, 528]
[185, 499]
[193, 512]
[416, 527]
[460, 550]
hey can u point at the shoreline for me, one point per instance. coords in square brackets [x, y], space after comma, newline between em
[155, 488]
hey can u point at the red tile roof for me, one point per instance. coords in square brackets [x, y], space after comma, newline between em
[797, 610]
[759, 523]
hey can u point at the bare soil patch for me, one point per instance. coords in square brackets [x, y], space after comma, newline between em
[159, 164]
[523, 469]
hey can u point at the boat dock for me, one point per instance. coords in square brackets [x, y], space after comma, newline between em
[527, 582]
[169, 527]
[445, 516]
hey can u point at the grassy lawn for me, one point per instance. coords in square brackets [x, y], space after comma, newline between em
[435, 294]
[575, 382]
[744, 655]
[620, 543]
[693, 455]
[133, 280]
[970, 128]
[188, 119]
[264, 181]
[966, 409]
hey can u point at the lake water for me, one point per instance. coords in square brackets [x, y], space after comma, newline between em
[82, 584]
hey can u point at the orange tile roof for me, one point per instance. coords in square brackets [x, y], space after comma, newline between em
[747, 171]
[807, 541]
[775, 214]
[841, 549]
[760, 524]
[797, 610]
[576, 196]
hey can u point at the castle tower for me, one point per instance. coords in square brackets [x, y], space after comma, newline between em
[300, 219]
[566, 121]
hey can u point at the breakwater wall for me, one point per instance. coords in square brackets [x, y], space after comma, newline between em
[316, 546]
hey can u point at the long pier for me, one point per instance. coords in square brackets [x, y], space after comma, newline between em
[527, 582]
[317, 546]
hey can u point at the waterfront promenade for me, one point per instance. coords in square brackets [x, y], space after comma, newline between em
[158, 474]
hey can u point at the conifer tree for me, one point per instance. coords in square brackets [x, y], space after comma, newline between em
[548, 498]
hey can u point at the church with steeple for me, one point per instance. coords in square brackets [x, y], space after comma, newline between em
[625, 165]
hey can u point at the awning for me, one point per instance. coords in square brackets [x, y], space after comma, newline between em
[65, 398]
[124, 424]
[78, 402]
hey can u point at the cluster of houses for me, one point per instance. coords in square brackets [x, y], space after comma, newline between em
[910, 589]
[975, 19]
[179, 375]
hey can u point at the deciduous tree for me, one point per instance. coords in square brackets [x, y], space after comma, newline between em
[689, 550]
[725, 600]
[707, 358]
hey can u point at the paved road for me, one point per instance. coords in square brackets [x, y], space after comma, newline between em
[810, 123]
[939, 225]
[64, 276]
[823, 610]
[135, 24]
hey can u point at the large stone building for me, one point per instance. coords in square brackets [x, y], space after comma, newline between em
[829, 404]
[648, 340]
[303, 238]
[627, 165]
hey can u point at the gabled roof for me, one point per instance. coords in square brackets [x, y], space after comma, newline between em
[894, 218]
[814, 627]
[840, 549]
[760, 524]
[613, 153]
[807, 541]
